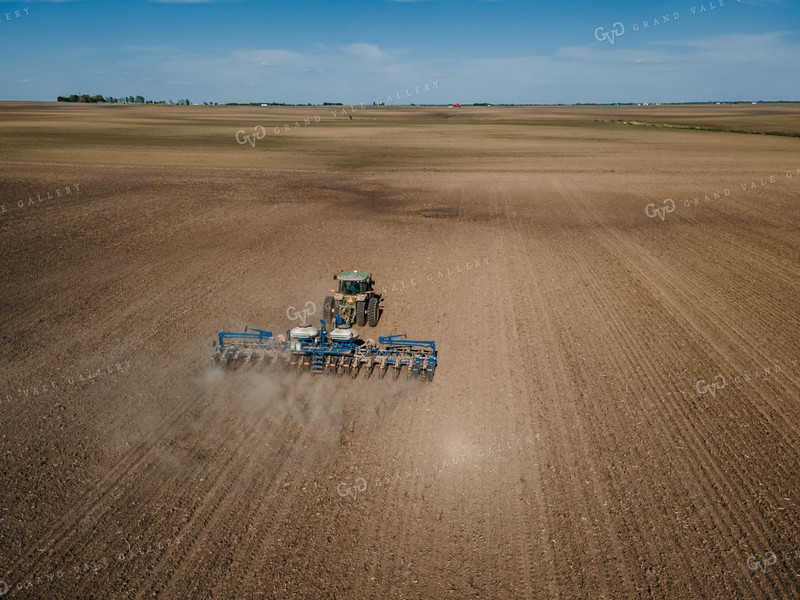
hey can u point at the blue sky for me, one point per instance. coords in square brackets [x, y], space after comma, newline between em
[502, 51]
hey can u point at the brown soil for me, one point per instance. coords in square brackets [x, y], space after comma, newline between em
[564, 449]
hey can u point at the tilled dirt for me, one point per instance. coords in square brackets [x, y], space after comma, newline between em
[615, 414]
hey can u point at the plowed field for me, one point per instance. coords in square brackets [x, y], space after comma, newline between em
[616, 411]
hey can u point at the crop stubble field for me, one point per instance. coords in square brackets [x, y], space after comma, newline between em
[616, 409]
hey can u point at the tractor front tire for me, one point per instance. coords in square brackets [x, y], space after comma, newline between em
[327, 311]
[372, 311]
[361, 318]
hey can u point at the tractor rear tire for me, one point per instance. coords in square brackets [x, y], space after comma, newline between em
[372, 311]
[361, 318]
[327, 312]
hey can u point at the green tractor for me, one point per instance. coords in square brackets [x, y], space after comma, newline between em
[355, 301]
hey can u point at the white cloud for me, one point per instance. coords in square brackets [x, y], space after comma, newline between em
[364, 50]
[723, 68]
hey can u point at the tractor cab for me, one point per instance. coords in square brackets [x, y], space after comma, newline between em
[353, 288]
[354, 283]
[354, 300]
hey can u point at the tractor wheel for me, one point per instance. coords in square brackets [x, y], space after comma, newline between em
[327, 311]
[372, 311]
[361, 318]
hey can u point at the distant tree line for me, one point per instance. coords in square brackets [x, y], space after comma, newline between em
[87, 99]
[262, 104]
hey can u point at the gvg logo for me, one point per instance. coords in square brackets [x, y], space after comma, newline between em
[601, 35]
[346, 490]
[302, 315]
[710, 388]
[651, 211]
[252, 138]
[770, 558]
